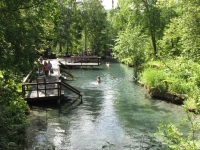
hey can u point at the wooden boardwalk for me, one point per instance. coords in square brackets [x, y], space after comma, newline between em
[77, 61]
[37, 88]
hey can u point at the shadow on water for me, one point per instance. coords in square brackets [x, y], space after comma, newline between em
[42, 116]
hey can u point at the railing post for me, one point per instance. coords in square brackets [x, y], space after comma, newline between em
[37, 89]
[59, 71]
[45, 85]
[59, 89]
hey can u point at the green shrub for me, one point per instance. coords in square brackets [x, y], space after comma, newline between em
[12, 113]
[154, 78]
[181, 86]
[177, 140]
[176, 76]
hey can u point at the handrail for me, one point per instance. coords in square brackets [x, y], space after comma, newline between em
[63, 83]
[66, 85]
[67, 72]
[69, 86]
[64, 66]
[82, 59]
[28, 76]
[35, 83]
[39, 89]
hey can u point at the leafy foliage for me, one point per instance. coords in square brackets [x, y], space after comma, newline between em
[128, 46]
[80, 27]
[154, 78]
[180, 77]
[12, 113]
[176, 140]
[23, 24]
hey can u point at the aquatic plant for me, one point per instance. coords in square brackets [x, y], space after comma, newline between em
[108, 145]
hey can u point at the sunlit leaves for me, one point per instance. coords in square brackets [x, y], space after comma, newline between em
[181, 36]
[130, 45]
[24, 24]
[12, 111]
[94, 22]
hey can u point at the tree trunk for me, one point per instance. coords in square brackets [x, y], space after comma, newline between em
[60, 48]
[153, 42]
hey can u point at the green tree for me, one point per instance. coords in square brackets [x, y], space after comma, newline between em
[12, 112]
[23, 24]
[181, 36]
[94, 25]
[130, 47]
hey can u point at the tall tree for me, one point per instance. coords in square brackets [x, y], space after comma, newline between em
[23, 24]
[94, 19]
[181, 36]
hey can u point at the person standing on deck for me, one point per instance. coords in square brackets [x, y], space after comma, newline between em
[40, 59]
[50, 67]
[46, 69]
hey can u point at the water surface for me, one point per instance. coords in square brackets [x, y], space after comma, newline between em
[117, 111]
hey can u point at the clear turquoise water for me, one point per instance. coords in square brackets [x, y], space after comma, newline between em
[117, 111]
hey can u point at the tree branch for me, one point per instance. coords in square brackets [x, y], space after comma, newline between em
[4, 10]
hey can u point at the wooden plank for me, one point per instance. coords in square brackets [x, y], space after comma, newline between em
[83, 61]
[92, 57]
[83, 64]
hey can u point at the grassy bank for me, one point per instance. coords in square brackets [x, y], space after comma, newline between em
[175, 80]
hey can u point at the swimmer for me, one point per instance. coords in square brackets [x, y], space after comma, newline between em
[98, 79]
[107, 63]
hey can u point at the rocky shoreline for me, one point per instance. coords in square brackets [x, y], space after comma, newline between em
[174, 98]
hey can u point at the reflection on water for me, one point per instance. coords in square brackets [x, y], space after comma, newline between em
[116, 111]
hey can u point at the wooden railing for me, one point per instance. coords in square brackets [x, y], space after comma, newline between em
[35, 87]
[63, 66]
[67, 72]
[28, 77]
[86, 59]
[66, 85]
[29, 87]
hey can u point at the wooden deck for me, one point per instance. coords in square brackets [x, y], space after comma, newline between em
[42, 90]
[47, 88]
[74, 61]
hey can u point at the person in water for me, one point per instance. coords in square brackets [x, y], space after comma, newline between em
[98, 79]
[108, 63]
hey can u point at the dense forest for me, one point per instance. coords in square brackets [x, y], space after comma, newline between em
[160, 39]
